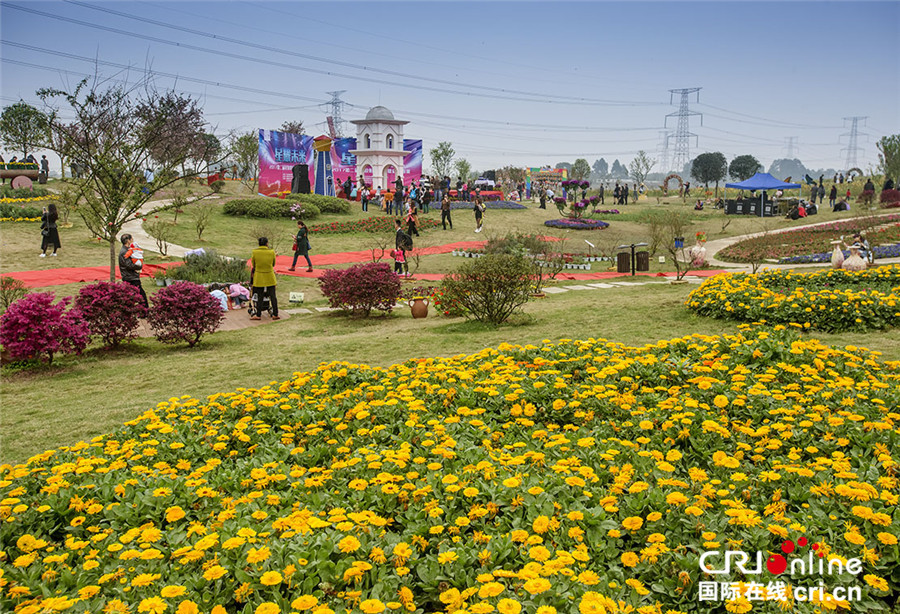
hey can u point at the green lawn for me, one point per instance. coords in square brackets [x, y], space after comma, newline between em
[79, 398]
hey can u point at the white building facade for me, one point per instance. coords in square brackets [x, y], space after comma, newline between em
[379, 148]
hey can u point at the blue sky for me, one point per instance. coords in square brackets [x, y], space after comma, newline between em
[524, 83]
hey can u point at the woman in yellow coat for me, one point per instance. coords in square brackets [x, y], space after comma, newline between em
[262, 264]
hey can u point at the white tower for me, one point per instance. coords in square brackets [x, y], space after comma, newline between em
[379, 147]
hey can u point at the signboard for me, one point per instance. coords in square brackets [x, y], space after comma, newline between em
[278, 153]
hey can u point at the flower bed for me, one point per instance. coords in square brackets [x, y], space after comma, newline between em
[491, 204]
[32, 199]
[606, 212]
[812, 240]
[831, 300]
[576, 224]
[579, 476]
[20, 219]
[375, 224]
[878, 252]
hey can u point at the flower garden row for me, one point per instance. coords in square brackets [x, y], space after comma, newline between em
[812, 240]
[577, 476]
[830, 300]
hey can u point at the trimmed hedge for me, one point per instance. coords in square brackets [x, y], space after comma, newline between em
[270, 208]
[325, 204]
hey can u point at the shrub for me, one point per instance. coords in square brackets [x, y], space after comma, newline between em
[376, 224]
[210, 267]
[361, 288]
[270, 208]
[33, 327]
[217, 186]
[11, 290]
[890, 197]
[7, 191]
[14, 210]
[325, 204]
[492, 288]
[111, 311]
[183, 312]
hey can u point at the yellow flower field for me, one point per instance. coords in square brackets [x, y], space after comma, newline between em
[577, 476]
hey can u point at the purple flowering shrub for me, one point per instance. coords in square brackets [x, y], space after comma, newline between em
[361, 288]
[890, 198]
[111, 311]
[183, 312]
[34, 327]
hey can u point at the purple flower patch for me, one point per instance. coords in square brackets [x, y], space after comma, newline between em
[576, 224]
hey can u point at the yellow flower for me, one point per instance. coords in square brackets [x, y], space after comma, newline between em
[876, 582]
[372, 606]
[721, 401]
[267, 607]
[214, 573]
[536, 586]
[541, 524]
[187, 607]
[509, 606]
[173, 590]
[490, 589]
[546, 609]
[588, 578]
[633, 523]
[271, 578]
[348, 544]
[447, 557]
[258, 555]
[304, 602]
[152, 605]
[630, 559]
[174, 513]
[512, 482]
[887, 539]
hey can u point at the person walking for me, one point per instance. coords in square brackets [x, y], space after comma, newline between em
[364, 197]
[49, 231]
[601, 194]
[445, 213]
[301, 246]
[130, 265]
[262, 271]
[411, 221]
[479, 214]
[832, 196]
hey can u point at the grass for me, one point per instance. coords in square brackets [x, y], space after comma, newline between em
[79, 398]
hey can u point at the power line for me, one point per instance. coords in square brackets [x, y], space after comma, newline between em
[549, 99]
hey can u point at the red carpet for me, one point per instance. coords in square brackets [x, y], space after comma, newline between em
[71, 275]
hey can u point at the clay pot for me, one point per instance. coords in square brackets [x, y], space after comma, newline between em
[419, 307]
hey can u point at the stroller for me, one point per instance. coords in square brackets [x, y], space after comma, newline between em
[257, 304]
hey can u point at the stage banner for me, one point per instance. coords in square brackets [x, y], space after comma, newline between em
[343, 163]
[278, 153]
[543, 174]
[412, 162]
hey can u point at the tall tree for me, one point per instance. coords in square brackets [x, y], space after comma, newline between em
[294, 127]
[442, 158]
[640, 166]
[243, 150]
[566, 166]
[889, 156]
[23, 128]
[177, 124]
[787, 167]
[601, 168]
[709, 167]
[463, 169]
[115, 134]
[581, 169]
[516, 174]
[618, 171]
[744, 167]
[209, 149]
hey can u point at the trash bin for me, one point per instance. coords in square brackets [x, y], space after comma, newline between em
[623, 262]
[643, 261]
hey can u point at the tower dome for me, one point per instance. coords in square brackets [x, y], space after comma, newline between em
[379, 112]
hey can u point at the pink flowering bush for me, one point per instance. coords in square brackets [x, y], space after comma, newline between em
[183, 312]
[111, 311]
[361, 288]
[34, 327]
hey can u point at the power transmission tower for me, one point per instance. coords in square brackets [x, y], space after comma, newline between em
[682, 131]
[791, 145]
[664, 136]
[334, 110]
[851, 160]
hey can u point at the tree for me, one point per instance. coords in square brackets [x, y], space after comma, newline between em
[176, 122]
[744, 167]
[113, 137]
[618, 171]
[516, 174]
[889, 156]
[463, 169]
[710, 167]
[640, 166]
[295, 127]
[601, 168]
[244, 151]
[210, 149]
[566, 166]
[581, 169]
[442, 158]
[23, 128]
[786, 167]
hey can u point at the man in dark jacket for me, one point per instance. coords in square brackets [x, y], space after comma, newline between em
[129, 269]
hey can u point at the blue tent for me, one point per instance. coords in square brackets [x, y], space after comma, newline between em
[763, 181]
